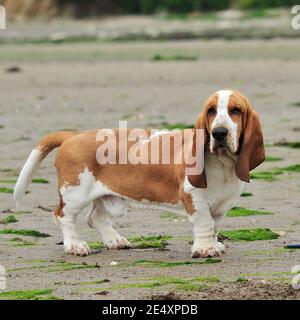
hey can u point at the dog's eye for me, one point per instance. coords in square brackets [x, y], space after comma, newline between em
[236, 111]
[211, 111]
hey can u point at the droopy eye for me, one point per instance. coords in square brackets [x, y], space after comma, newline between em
[211, 111]
[236, 111]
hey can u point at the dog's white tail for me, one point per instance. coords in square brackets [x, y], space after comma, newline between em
[30, 167]
[45, 146]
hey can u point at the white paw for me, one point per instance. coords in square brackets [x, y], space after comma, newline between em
[207, 249]
[117, 243]
[76, 247]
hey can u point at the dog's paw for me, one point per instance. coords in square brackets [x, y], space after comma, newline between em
[205, 250]
[76, 247]
[117, 243]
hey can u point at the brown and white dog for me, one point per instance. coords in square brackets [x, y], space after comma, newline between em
[233, 146]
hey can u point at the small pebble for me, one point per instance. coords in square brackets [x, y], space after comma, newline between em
[281, 233]
[263, 281]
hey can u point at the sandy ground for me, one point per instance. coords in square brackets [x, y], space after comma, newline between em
[97, 85]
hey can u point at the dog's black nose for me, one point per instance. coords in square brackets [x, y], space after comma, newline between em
[220, 133]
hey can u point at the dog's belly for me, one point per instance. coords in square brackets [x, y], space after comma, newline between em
[153, 206]
[118, 205]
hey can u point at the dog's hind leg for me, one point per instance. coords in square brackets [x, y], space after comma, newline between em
[99, 218]
[66, 214]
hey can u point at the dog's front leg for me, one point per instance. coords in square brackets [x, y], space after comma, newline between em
[205, 241]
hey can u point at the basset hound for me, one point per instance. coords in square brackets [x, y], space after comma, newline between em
[233, 146]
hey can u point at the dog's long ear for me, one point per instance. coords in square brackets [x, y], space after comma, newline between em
[252, 151]
[199, 180]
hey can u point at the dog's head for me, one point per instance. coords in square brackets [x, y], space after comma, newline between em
[231, 126]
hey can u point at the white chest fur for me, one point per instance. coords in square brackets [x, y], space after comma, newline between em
[223, 186]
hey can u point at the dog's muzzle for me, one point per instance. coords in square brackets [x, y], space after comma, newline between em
[220, 134]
